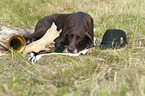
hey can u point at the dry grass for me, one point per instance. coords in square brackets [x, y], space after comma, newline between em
[98, 73]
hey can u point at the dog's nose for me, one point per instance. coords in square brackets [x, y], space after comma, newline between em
[70, 49]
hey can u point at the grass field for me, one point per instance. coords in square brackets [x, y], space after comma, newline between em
[98, 73]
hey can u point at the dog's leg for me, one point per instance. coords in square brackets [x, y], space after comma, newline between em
[42, 26]
[59, 44]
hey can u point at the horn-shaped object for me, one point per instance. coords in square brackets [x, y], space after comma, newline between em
[15, 42]
[40, 44]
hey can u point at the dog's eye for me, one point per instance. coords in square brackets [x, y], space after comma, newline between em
[79, 38]
[70, 36]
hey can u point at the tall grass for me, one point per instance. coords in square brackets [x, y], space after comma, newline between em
[119, 72]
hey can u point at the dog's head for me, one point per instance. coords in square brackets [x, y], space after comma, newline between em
[77, 41]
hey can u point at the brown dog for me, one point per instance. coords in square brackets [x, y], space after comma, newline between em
[77, 31]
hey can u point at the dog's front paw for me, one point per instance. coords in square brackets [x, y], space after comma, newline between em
[59, 49]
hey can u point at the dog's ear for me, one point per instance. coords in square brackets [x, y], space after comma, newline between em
[88, 38]
[65, 36]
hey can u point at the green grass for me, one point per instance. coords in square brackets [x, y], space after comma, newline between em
[98, 73]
